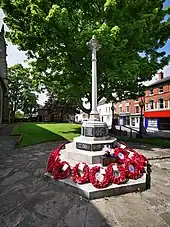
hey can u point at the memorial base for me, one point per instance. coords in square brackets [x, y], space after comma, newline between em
[88, 191]
[88, 148]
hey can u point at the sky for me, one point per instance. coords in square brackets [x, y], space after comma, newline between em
[15, 56]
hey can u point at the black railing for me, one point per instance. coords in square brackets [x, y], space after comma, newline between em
[131, 130]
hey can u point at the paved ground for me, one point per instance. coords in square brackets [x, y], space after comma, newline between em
[6, 141]
[29, 199]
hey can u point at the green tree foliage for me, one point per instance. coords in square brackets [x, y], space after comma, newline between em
[21, 90]
[59, 109]
[19, 114]
[55, 33]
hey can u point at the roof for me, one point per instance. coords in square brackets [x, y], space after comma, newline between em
[102, 101]
[164, 80]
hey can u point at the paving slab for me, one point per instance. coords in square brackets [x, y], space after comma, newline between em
[32, 200]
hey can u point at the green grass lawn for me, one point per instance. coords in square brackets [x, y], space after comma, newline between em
[34, 133]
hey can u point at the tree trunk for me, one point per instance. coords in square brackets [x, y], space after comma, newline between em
[12, 116]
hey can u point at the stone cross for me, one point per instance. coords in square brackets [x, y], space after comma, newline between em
[94, 46]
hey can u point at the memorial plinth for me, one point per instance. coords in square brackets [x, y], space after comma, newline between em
[88, 147]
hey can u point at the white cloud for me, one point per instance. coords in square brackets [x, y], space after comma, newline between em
[166, 70]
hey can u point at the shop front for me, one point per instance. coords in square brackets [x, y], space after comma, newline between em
[157, 120]
[124, 119]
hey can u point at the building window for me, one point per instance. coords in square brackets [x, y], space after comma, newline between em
[146, 106]
[161, 89]
[136, 119]
[137, 109]
[151, 92]
[169, 103]
[161, 103]
[152, 123]
[127, 109]
[151, 104]
[120, 109]
[133, 121]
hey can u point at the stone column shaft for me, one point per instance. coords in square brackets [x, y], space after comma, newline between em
[94, 84]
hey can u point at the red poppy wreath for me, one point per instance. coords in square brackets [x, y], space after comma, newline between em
[132, 169]
[140, 160]
[118, 173]
[121, 154]
[61, 170]
[99, 177]
[76, 173]
[54, 158]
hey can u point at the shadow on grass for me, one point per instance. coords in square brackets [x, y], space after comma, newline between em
[34, 134]
[76, 131]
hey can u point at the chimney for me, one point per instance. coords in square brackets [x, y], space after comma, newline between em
[160, 75]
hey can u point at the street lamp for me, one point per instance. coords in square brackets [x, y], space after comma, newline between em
[141, 129]
[113, 120]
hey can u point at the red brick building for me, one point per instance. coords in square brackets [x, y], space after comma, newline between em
[157, 104]
[156, 109]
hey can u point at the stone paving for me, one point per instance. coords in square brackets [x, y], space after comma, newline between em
[7, 142]
[27, 198]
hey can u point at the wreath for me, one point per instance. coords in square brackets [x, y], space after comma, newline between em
[133, 170]
[141, 161]
[121, 154]
[54, 158]
[99, 177]
[76, 175]
[131, 153]
[122, 143]
[118, 173]
[61, 170]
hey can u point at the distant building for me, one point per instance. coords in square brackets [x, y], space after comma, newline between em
[157, 104]
[105, 113]
[43, 115]
[4, 104]
[156, 112]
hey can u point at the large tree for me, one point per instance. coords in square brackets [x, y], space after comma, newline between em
[21, 90]
[59, 109]
[55, 33]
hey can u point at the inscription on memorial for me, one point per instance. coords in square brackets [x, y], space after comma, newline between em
[97, 147]
[83, 146]
[88, 131]
[100, 131]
